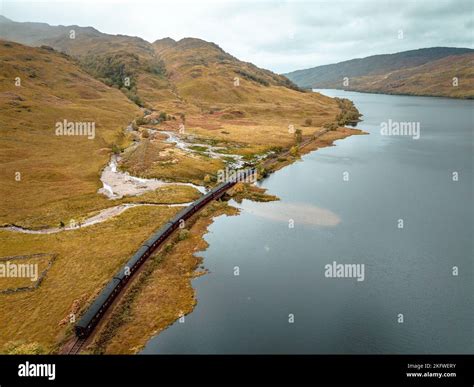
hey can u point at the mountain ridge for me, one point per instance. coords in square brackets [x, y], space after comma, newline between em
[367, 74]
[134, 55]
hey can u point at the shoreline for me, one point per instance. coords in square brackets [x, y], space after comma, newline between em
[180, 283]
[394, 94]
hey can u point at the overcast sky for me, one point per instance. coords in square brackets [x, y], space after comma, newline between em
[278, 35]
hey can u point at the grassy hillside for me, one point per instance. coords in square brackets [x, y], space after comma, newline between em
[221, 92]
[125, 62]
[400, 73]
[232, 104]
[86, 260]
[434, 78]
[54, 170]
[219, 99]
[190, 75]
[58, 180]
[191, 53]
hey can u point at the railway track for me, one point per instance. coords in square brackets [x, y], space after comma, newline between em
[97, 309]
[303, 144]
[74, 347]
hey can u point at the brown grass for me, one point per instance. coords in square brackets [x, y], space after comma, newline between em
[159, 160]
[431, 79]
[86, 259]
[55, 170]
[60, 176]
[8, 283]
[167, 292]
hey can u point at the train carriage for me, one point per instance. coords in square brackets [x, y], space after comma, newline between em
[181, 215]
[92, 316]
[133, 263]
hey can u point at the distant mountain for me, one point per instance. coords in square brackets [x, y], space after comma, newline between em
[35, 34]
[427, 71]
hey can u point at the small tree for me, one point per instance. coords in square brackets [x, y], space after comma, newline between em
[298, 135]
[262, 171]
[331, 125]
[183, 234]
[116, 149]
[141, 121]
[308, 122]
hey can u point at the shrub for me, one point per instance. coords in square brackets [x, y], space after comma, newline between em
[294, 151]
[348, 112]
[116, 67]
[141, 121]
[298, 136]
[44, 47]
[116, 149]
[308, 122]
[262, 171]
[331, 125]
[134, 98]
[22, 348]
[253, 77]
[156, 67]
[145, 133]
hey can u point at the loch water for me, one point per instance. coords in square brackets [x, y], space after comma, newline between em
[410, 300]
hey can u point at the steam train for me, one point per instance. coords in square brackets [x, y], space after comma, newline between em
[97, 309]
